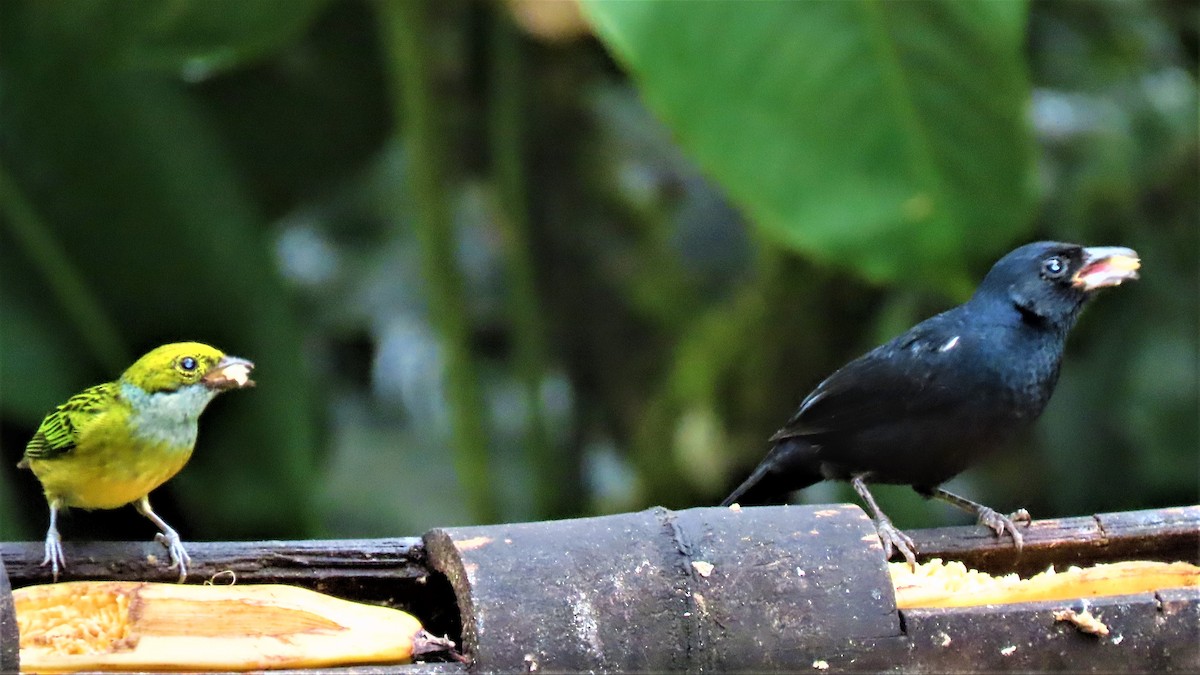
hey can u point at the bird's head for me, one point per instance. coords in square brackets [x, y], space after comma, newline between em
[172, 367]
[1050, 281]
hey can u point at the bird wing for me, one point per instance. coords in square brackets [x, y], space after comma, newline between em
[59, 431]
[904, 377]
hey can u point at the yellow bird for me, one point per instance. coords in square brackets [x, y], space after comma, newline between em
[113, 443]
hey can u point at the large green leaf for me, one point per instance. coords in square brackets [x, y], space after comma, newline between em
[889, 137]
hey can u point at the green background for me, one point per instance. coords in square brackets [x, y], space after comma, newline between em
[510, 261]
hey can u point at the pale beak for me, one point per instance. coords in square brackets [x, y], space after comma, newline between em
[229, 373]
[1106, 266]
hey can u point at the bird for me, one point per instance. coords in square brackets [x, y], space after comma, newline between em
[952, 390]
[113, 443]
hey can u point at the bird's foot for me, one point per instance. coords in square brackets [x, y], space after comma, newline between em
[54, 553]
[894, 540]
[179, 555]
[1000, 523]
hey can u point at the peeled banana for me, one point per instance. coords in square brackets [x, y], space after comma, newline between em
[115, 625]
[940, 584]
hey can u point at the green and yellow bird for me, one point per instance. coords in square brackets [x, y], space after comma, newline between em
[113, 443]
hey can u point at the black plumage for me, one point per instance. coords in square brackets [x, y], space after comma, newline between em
[956, 387]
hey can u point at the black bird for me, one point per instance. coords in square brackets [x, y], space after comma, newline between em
[921, 408]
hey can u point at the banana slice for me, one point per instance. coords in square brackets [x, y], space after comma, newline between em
[113, 625]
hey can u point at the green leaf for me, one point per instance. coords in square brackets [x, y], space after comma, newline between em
[40, 366]
[193, 37]
[203, 36]
[888, 137]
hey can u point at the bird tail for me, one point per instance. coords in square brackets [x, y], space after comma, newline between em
[791, 465]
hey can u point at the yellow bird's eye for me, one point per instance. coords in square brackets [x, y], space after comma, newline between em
[187, 364]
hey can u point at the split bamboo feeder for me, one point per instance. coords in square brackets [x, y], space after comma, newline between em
[791, 588]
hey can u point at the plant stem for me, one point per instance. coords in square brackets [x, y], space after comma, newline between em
[418, 110]
[506, 134]
[83, 309]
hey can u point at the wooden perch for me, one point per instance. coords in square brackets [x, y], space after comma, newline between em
[252, 561]
[1166, 535]
[790, 588]
[8, 625]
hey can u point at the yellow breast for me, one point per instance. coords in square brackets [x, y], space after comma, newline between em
[109, 467]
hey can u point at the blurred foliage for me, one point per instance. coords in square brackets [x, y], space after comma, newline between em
[490, 271]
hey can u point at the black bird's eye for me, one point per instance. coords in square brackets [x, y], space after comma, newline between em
[1054, 267]
[187, 363]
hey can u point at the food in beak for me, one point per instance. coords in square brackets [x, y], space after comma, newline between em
[1106, 266]
[230, 372]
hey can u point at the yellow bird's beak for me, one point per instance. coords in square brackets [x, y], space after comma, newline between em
[230, 372]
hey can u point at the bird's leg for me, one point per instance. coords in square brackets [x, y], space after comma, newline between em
[54, 553]
[889, 536]
[168, 537]
[988, 517]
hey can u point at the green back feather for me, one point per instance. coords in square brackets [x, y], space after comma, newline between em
[59, 432]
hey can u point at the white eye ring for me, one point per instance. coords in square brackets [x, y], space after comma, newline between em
[1054, 267]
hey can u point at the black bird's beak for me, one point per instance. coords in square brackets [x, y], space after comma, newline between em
[1106, 266]
[230, 372]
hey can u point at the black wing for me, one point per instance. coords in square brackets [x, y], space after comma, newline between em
[909, 376]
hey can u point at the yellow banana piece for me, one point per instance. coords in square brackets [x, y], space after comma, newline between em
[117, 625]
[941, 584]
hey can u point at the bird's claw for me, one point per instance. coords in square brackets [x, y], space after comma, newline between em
[894, 540]
[54, 554]
[178, 554]
[999, 523]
